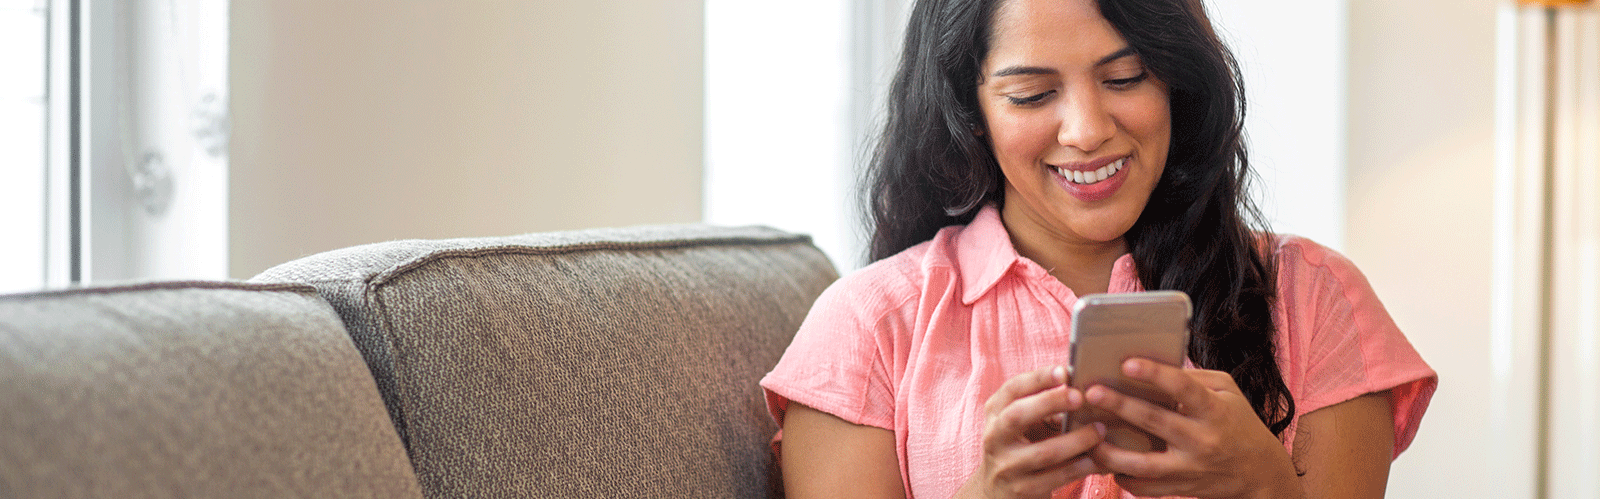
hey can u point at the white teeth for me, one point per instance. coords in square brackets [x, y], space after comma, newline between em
[1096, 176]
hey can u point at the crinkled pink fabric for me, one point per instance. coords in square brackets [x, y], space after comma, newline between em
[917, 342]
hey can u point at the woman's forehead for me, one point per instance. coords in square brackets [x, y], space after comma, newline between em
[1051, 33]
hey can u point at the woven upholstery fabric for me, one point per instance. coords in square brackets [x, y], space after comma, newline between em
[189, 390]
[602, 363]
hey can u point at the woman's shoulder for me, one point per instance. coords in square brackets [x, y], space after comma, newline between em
[1323, 298]
[1302, 258]
[1299, 248]
[896, 281]
[1338, 340]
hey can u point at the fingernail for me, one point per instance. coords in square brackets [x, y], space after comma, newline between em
[1100, 428]
[1060, 374]
[1073, 397]
[1133, 367]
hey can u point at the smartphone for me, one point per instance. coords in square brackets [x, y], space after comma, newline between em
[1108, 329]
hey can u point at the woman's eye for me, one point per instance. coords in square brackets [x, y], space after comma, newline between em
[1029, 100]
[1125, 83]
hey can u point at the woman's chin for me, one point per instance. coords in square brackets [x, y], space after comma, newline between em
[1103, 231]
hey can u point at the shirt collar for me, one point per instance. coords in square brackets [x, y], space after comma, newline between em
[984, 255]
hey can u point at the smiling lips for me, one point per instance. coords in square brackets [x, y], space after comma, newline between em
[1091, 185]
[1093, 176]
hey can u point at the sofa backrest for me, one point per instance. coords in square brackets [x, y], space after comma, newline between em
[189, 390]
[600, 363]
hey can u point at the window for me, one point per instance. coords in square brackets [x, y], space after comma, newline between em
[113, 141]
[782, 128]
[22, 143]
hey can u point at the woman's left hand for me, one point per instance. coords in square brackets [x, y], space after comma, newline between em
[1216, 446]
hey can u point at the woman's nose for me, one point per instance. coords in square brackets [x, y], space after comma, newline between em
[1086, 124]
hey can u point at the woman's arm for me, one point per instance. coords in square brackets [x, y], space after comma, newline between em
[1025, 455]
[825, 456]
[1345, 449]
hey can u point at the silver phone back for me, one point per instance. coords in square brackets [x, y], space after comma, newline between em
[1108, 329]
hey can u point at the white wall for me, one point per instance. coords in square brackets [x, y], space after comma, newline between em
[363, 121]
[1421, 169]
[1296, 100]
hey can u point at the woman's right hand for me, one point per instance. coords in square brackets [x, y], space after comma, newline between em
[1024, 452]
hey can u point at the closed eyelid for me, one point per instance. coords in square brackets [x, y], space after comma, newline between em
[1030, 96]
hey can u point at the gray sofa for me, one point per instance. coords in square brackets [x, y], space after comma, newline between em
[601, 363]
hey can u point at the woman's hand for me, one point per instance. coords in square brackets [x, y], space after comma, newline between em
[1024, 452]
[1216, 445]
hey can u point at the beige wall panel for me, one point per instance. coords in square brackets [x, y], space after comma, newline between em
[1421, 152]
[364, 121]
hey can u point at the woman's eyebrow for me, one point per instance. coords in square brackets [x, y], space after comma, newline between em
[1023, 70]
[1126, 51]
[1035, 70]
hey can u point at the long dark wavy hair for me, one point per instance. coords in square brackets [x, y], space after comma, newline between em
[1197, 234]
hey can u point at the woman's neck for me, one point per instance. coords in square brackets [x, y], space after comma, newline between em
[1085, 268]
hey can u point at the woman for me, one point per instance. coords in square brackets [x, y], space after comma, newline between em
[1038, 150]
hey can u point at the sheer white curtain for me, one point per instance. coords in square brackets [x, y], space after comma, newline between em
[1546, 352]
[23, 30]
[113, 141]
[153, 152]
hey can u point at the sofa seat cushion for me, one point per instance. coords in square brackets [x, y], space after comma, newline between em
[601, 363]
[189, 390]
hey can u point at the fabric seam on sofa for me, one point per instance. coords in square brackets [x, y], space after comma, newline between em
[295, 287]
[401, 269]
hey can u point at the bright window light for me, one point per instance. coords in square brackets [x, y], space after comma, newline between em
[22, 144]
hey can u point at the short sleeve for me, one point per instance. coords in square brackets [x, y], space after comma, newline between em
[1345, 344]
[842, 358]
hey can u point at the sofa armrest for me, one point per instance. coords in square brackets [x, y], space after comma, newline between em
[601, 363]
[189, 389]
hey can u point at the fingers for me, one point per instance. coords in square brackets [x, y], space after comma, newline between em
[1213, 439]
[1134, 463]
[1024, 401]
[1054, 451]
[1041, 484]
[1215, 380]
[1023, 385]
[1183, 385]
[1015, 421]
[1170, 426]
[1038, 469]
[1014, 464]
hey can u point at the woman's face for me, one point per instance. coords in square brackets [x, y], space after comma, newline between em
[1079, 127]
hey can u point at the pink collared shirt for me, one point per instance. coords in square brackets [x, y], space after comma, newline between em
[916, 343]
